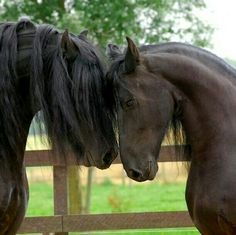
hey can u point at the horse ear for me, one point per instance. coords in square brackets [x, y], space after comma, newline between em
[69, 49]
[113, 51]
[131, 56]
[83, 34]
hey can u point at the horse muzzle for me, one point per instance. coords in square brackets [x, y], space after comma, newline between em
[140, 175]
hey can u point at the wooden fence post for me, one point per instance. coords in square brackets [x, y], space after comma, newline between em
[60, 192]
[74, 190]
[88, 191]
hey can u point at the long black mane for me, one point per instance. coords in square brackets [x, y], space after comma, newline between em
[68, 93]
[10, 120]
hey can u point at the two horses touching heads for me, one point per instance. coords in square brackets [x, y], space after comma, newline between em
[145, 92]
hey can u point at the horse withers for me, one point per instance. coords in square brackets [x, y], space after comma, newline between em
[62, 75]
[194, 92]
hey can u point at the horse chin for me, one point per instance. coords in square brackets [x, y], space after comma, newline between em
[87, 160]
[153, 171]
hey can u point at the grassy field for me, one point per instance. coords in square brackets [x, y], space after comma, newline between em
[108, 198]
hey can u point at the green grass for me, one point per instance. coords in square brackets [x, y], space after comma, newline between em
[187, 231]
[41, 199]
[108, 198]
[138, 198]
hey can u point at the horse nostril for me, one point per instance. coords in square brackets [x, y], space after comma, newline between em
[135, 174]
[107, 159]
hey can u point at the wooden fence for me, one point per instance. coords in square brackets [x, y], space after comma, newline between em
[62, 223]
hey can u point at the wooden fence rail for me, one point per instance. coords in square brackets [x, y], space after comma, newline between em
[62, 223]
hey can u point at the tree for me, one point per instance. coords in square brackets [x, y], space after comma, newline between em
[147, 21]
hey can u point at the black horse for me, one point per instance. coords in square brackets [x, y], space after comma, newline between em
[62, 75]
[192, 92]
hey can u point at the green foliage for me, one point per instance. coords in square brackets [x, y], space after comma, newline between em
[39, 11]
[146, 21]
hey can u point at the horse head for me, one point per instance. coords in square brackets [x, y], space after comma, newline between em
[144, 108]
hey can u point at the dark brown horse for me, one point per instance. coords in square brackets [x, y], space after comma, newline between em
[63, 76]
[173, 85]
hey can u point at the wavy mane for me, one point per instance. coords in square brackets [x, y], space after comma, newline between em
[10, 120]
[68, 93]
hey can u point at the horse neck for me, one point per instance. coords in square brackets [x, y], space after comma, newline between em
[207, 99]
[194, 52]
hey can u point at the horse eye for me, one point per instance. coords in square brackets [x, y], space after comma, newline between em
[130, 103]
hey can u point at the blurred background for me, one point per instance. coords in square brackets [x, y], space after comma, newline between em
[147, 21]
[205, 23]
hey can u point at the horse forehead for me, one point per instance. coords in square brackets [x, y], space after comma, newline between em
[136, 77]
